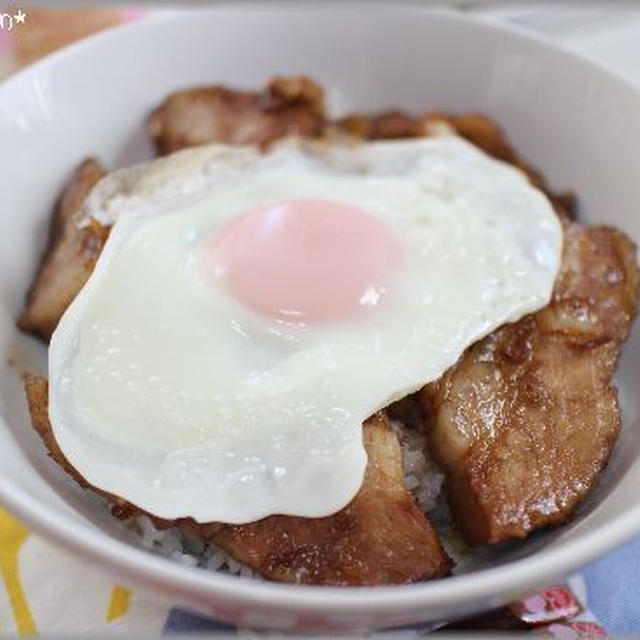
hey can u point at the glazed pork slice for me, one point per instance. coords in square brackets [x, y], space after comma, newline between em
[69, 258]
[381, 537]
[295, 106]
[527, 418]
[203, 115]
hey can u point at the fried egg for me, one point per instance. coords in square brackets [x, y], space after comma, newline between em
[250, 310]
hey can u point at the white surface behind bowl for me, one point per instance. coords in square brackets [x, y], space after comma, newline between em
[575, 121]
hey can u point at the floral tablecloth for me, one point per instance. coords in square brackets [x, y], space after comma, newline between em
[43, 589]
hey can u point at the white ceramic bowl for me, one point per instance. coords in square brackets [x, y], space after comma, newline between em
[575, 121]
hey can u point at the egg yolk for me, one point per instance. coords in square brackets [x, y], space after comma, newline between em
[306, 261]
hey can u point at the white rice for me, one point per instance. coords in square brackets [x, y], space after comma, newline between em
[186, 548]
[422, 478]
[421, 474]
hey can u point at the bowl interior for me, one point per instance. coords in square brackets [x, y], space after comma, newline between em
[574, 121]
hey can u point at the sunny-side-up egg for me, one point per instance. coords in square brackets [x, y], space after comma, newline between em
[250, 310]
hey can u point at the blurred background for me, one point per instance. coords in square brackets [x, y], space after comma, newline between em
[608, 30]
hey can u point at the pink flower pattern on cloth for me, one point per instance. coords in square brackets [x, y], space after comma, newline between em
[556, 612]
[572, 630]
[554, 603]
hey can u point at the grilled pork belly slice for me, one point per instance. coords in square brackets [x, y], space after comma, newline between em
[69, 258]
[381, 537]
[526, 419]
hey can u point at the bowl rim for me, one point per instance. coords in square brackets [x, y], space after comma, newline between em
[139, 565]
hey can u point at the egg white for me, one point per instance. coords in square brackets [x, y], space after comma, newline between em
[166, 391]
